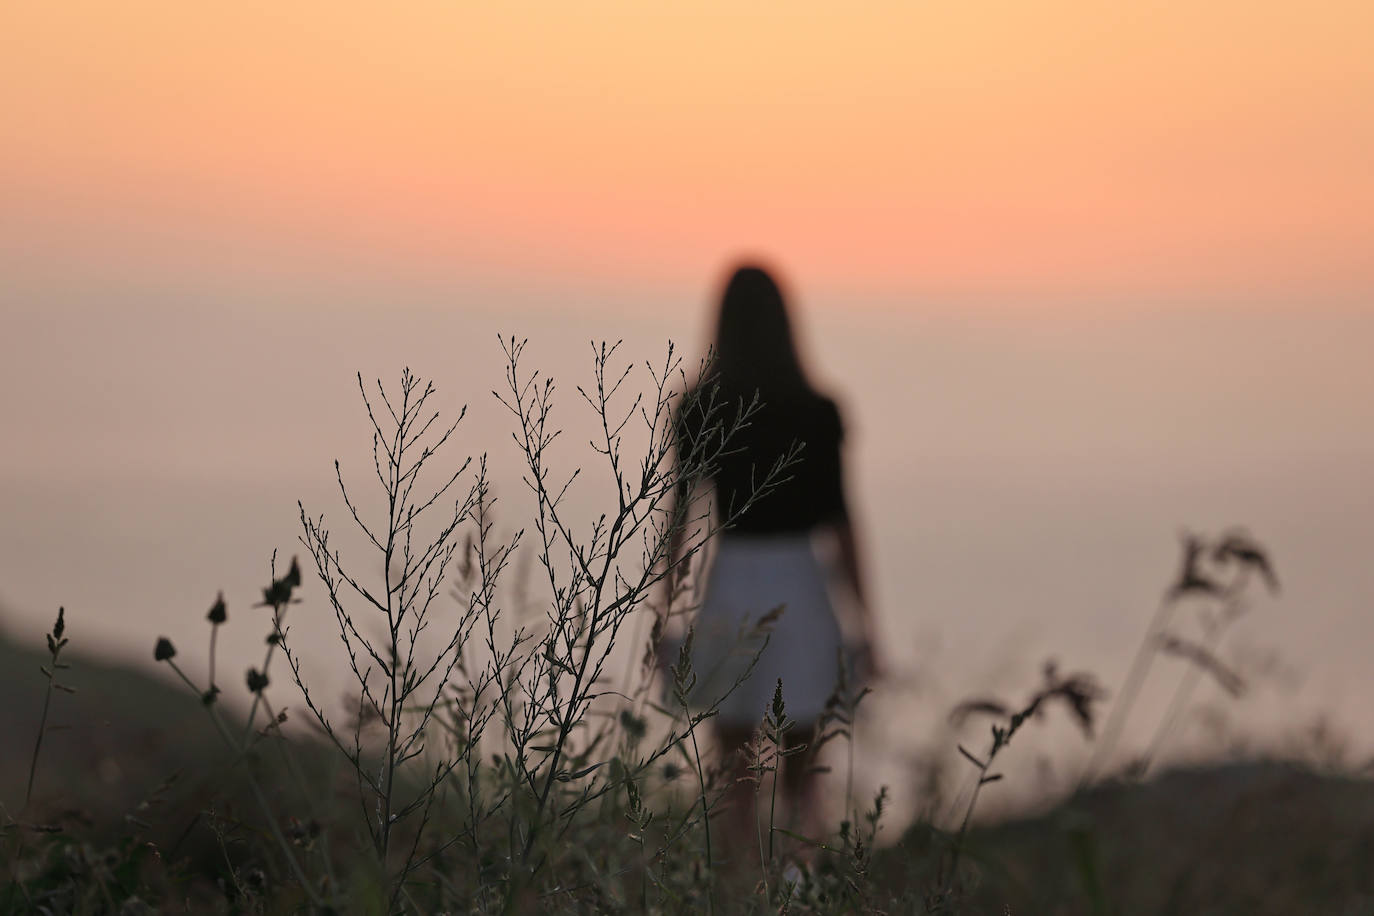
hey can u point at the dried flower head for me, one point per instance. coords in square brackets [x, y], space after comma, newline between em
[1238, 547]
[278, 594]
[218, 613]
[257, 680]
[1191, 579]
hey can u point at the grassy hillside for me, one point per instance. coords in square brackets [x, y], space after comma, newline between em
[114, 740]
[1255, 838]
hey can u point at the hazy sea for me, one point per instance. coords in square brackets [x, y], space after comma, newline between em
[1021, 477]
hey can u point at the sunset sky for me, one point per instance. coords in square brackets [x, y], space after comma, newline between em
[1082, 273]
[1043, 151]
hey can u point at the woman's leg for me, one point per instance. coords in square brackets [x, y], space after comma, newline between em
[735, 824]
[801, 787]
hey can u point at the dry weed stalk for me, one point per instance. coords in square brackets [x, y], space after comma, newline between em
[1216, 572]
[1080, 692]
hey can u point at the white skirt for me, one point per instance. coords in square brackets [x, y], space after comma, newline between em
[750, 577]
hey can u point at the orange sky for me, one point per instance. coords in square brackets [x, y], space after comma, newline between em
[1052, 148]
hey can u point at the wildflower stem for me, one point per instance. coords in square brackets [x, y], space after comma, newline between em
[266, 661]
[38, 742]
[258, 795]
[55, 644]
[773, 792]
[1135, 677]
[705, 814]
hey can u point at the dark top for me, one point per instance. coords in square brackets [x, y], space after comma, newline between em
[812, 489]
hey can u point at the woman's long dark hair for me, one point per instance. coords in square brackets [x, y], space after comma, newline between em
[755, 349]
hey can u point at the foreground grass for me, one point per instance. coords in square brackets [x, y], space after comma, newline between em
[1253, 838]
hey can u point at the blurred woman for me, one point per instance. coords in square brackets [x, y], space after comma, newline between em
[768, 555]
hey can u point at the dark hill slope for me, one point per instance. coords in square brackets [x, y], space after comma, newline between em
[1255, 839]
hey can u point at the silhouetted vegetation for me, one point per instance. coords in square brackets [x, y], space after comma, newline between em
[503, 747]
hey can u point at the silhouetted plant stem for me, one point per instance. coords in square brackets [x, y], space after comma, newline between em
[850, 811]
[38, 741]
[773, 809]
[1183, 692]
[257, 697]
[214, 634]
[1235, 551]
[1000, 738]
[1130, 689]
[705, 818]
[303, 787]
[684, 680]
[1078, 691]
[776, 725]
[56, 642]
[258, 794]
[393, 626]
